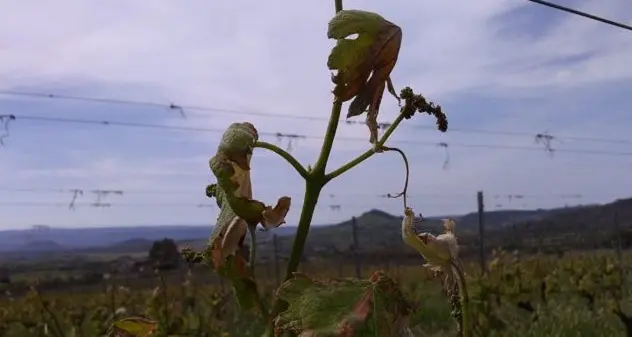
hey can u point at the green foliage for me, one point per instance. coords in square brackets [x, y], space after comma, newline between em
[348, 307]
[551, 296]
[508, 301]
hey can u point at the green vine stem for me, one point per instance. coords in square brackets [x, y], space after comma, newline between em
[466, 328]
[285, 155]
[314, 182]
[366, 155]
[318, 171]
[312, 192]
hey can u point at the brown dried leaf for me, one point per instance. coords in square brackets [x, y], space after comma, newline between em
[372, 56]
[274, 217]
[228, 241]
[233, 192]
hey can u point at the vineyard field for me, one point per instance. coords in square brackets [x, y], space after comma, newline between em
[579, 294]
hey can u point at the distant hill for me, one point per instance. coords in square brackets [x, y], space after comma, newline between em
[503, 218]
[72, 238]
[594, 226]
[102, 239]
[128, 246]
[41, 246]
[377, 232]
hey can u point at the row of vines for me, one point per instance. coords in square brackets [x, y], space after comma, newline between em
[580, 295]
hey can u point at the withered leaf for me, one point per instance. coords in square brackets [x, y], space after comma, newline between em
[238, 210]
[364, 64]
[228, 241]
[231, 167]
[274, 217]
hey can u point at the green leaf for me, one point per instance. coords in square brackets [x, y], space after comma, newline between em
[347, 307]
[133, 326]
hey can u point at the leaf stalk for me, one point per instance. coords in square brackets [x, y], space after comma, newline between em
[285, 155]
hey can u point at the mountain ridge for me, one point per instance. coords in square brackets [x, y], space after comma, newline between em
[377, 230]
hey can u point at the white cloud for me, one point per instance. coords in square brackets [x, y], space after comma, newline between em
[483, 66]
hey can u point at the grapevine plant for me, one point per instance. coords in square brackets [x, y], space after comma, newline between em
[304, 306]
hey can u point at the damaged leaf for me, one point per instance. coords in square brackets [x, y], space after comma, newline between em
[437, 251]
[228, 234]
[233, 193]
[273, 217]
[440, 252]
[238, 210]
[340, 308]
[364, 64]
[226, 252]
[223, 250]
[231, 167]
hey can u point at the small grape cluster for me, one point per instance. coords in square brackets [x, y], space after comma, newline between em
[417, 103]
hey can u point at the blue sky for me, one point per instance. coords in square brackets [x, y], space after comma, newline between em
[506, 66]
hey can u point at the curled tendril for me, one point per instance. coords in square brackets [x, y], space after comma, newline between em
[417, 103]
[404, 191]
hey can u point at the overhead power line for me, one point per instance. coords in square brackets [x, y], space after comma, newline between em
[331, 201]
[583, 14]
[97, 205]
[331, 196]
[171, 106]
[211, 205]
[188, 108]
[282, 135]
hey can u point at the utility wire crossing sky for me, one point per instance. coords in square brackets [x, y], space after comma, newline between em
[537, 102]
